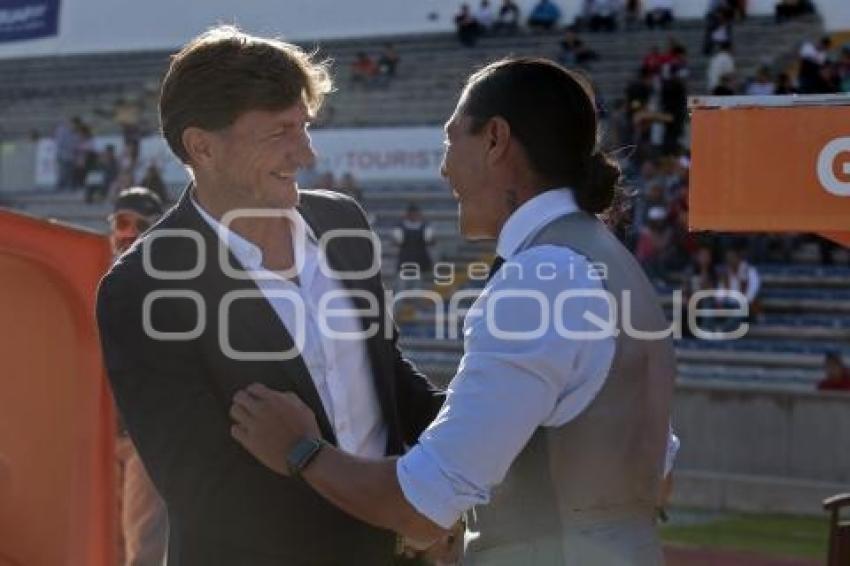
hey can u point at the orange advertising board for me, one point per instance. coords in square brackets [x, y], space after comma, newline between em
[771, 164]
[57, 494]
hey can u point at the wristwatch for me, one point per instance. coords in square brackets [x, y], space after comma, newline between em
[301, 454]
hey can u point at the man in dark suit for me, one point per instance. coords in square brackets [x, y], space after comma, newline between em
[226, 290]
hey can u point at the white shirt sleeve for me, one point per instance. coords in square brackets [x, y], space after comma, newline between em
[506, 386]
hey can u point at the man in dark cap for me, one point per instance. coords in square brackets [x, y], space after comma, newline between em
[144, 521]
[135, 210]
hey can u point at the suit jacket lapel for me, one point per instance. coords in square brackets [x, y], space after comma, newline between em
[339, 261]
[254, 326]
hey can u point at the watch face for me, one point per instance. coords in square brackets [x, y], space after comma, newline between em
[301, 455]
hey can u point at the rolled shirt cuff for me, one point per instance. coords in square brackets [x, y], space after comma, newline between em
[426, 488]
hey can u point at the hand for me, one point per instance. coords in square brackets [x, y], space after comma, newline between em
[268, 423]
[446, 551]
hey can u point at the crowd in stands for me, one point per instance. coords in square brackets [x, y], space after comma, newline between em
[101, 174]
[375, 71]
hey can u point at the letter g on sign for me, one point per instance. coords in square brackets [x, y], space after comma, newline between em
[838, 185]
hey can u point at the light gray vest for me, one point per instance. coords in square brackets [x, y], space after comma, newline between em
[584, 493]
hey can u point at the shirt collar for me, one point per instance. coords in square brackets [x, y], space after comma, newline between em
[247, 252]
[531, 216]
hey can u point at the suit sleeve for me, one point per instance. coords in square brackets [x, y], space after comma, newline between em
[179, 424]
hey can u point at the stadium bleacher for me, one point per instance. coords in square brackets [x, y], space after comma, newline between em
[37, 93]
[806, 307]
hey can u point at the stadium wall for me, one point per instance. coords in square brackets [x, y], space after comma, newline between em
[759, 449]
[126, 25]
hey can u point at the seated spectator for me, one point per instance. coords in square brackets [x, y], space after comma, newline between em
[101, 177]
[721, 63]
[739, 276]
[605, 15]
[653, 61]
[726, 87]
[659, 13]
[700, 276]
[843, 67]
[388, 61]
[788, 9]
[761, 84]
[467, 27]
[653, 244]
[784, 85]
[837, 376]
[485, 16]
[573, 51]
[544, 16]
[508, 20]
[364, 70]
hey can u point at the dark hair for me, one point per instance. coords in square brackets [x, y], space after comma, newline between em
[223, 73]
[551, 112]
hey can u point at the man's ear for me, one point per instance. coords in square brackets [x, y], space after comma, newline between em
[498, 136]
[198, 144]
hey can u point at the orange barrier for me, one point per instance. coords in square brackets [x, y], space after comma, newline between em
[771, 164]
[57, 495]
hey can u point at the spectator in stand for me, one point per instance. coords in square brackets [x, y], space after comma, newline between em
[603, 15]
[364, 70]
[674, 102]
[102, 176]
[485, 16]
[153, 182]
[467, 27]
[718, 33]
[761, 84]
[632, 13]
[653, 244]
[837, 376]
[128, 115]
[659, 13]
[414, 236]
[66, 136]
[348, 186]
[722, 63]
[726, 87]
[85, 156]
[700, 276]
[812, 60]
[388, 61]
[843, 67]
[573, 51]
[788, 9]
[784, 85]
[325, 181]
[739, 276]
[653, 61]
[508, 20]
[544, 16]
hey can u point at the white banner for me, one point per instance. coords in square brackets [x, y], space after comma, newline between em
[376, 154]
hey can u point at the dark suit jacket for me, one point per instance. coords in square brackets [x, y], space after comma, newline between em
[224, 507]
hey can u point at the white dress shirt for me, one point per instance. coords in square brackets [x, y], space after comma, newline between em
[338, 365]
[506, 387]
